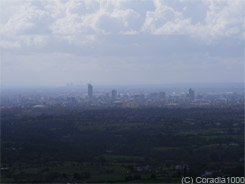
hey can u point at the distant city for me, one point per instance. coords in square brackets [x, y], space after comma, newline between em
[107, 98]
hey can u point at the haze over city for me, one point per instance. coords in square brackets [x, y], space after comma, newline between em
[122, 91]
[52, 43]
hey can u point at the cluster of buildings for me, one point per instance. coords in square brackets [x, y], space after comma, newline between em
[160, 99]
[125, 99]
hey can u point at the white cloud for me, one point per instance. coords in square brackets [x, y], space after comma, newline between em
[74, 19]
[223, 19]
[165, 20]
[103, 20]
[25, 19]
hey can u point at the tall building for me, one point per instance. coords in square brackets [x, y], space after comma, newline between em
[90, 92]
[191, 94]
[114, 94]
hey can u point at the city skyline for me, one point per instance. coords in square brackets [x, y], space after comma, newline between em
[51, 43]
[106, 98]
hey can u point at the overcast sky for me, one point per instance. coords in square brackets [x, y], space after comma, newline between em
[53, 42]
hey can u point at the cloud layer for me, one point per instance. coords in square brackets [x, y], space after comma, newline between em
[117, 35]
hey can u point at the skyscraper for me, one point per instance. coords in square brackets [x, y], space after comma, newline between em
[90, 92]
[191, 94]
[114, 94]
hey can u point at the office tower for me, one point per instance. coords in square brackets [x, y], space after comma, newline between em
[191, 94]
[90, 92]
[114, 94]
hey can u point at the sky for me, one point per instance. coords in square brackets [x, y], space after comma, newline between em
[108, 42]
